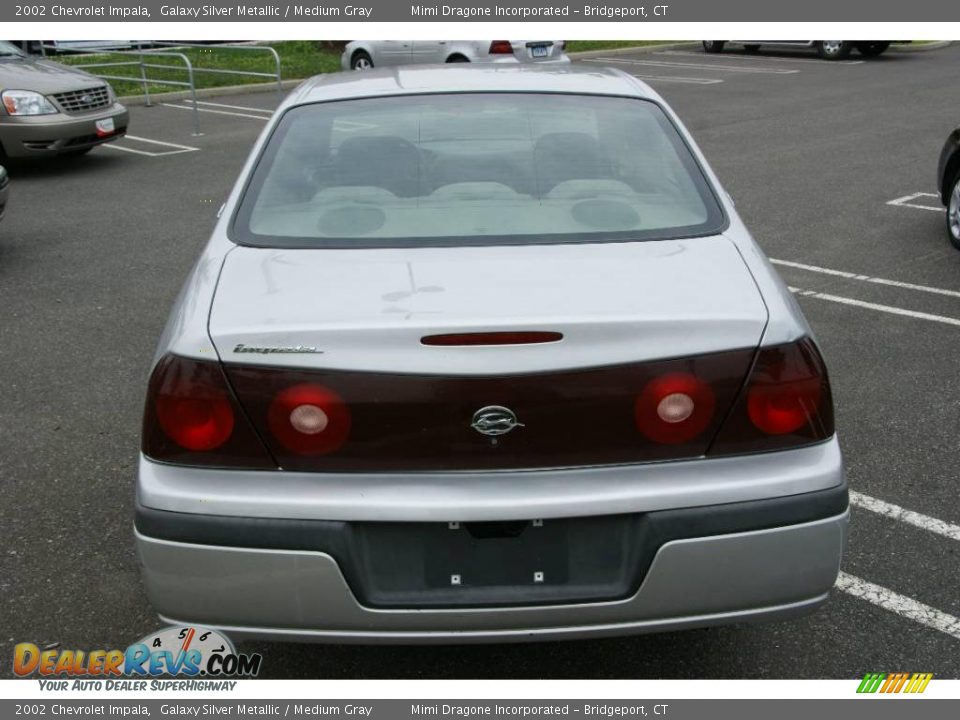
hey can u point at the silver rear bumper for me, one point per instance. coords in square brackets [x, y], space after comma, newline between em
[302, 595]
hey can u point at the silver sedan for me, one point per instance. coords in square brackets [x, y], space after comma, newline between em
[484, 353]
[367, 54]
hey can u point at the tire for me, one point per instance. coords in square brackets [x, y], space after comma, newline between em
[361, 60]
[953, 212]
[713, 46]
[457, 59]
[834, 49]
[752, 48]
[872, 49]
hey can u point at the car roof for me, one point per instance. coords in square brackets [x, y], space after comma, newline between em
[487, 77]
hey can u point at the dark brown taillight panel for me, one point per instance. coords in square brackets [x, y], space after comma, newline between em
[742, 401]
[192, 418]
[397, 422]
[786, 402]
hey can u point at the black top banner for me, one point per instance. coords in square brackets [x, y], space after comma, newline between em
[483, 11]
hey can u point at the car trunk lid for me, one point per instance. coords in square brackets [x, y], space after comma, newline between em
[353, 321]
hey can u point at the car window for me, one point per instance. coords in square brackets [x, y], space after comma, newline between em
[474, 169]
[8, 49]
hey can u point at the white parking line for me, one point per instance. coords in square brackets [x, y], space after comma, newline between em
[924, 522]
[900, 604]
[699, 66]
[230, 107]
[867, 278]
[762, 58]
[887, 599]
[667, 78]
[190, 108]
[876, 306]
[906, 201]
[178, 149]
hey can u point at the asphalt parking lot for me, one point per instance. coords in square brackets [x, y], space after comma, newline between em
[832, 166]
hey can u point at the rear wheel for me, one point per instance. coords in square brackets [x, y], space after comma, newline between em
[713, 46]
[361, 61]
[872, 49]
[953, 212]
[457, 59]
[834, 49]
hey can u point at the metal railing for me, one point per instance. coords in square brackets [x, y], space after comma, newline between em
[144, 62]
[275, 76]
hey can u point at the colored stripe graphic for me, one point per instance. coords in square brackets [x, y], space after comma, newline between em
[870, 683]
[919, 682]
[894, 682]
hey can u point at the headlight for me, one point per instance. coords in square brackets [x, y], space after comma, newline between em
[26, 102]
[111, 94]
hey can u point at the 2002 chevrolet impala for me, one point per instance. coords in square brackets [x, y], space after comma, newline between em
[484, 353]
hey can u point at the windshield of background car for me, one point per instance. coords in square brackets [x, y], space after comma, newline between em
[9, 50]
[474, 169]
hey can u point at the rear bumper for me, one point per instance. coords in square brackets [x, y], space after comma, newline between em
[704, 568]
[56, 134]
[302, 595]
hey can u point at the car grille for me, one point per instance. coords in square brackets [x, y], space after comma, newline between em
[84, 100]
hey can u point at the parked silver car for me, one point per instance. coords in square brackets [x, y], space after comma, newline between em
[367, 54]
[948, 183]
[484, 353]
[51, 109]
[827, 49]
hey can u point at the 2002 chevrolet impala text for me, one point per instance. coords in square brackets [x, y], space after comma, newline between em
[481, 353]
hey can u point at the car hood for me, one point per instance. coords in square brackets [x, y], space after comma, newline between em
[367, 309]
[43, 76]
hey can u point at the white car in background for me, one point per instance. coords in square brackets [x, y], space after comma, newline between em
[366, 54]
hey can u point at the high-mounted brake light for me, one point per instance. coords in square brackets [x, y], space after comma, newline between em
[501, 47]
[516, 337]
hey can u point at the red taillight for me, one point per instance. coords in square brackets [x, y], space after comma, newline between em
[674, 408]
[501, 47]
[309, 419]
[192, 418]
[202, 422]
[786, 402]
[784, 407]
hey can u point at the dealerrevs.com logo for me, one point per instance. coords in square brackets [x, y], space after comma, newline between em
[181, 652]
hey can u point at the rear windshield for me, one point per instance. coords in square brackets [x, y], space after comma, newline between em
[474, 169]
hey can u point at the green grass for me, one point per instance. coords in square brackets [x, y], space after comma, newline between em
[298, 59]
[583, 45]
